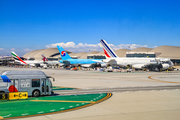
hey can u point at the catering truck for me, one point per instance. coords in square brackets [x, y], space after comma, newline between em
[36, 83]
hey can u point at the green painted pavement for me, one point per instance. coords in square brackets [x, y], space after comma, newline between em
[48, 104]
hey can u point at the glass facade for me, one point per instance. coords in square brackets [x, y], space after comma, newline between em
[176, 62]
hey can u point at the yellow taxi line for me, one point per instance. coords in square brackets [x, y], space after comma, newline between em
[150, 77]
[92, 103]
[61, 101]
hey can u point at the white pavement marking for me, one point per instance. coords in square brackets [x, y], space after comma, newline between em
[6, 115]
[41, 112]
[25, 114]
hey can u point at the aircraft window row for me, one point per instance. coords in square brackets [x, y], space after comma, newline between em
[141, 55]
[96, 57]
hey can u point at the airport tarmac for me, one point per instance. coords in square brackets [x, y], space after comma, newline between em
[145, 105]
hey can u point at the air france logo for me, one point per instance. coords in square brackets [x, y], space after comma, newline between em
[152, 61]
[63, 53]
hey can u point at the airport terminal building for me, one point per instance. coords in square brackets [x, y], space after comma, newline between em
[171, 52]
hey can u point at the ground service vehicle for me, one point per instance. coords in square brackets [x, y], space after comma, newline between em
[36, 83]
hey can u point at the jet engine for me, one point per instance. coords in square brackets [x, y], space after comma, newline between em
[86, 65]
[103, 65]
[165, 66]
[33, 65]
[138, 66]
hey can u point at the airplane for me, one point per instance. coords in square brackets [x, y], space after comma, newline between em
[67, 60]
[48, 62]
[137, 63]
[28, 62]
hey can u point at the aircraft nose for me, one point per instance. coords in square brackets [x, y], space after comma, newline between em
[172, 64]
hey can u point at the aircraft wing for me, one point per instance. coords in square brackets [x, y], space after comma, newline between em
[98, 61]
[86, 65]
[66, 62]
[138, 66]
[149, 66]
[103, 64]
[110, 61]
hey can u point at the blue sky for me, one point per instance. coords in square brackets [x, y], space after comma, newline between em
[38, 24]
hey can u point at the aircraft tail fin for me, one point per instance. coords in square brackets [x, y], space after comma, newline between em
[107, 55]
[64, 55]
[16, 57]
[44, 58]
[107, 50]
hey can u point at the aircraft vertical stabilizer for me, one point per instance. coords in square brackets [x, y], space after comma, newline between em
[16, 57]
[107, 50]
[64, 55]
[44, 58]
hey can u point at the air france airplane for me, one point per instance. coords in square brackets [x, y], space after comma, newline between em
[137, 63]
[67, 60]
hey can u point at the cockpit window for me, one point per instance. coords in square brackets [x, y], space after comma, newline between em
[166, 62]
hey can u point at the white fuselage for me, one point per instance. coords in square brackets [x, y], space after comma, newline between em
[130, 61]
[31, 62]
[136, 61]
[53, 63]
[139, 63]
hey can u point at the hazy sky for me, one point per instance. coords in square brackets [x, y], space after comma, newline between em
[38, 24]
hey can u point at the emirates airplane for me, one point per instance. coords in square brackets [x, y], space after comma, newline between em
[28, 62]
[137, 63]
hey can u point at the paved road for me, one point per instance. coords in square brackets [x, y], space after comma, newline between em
[152, 102]
[120, 89]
